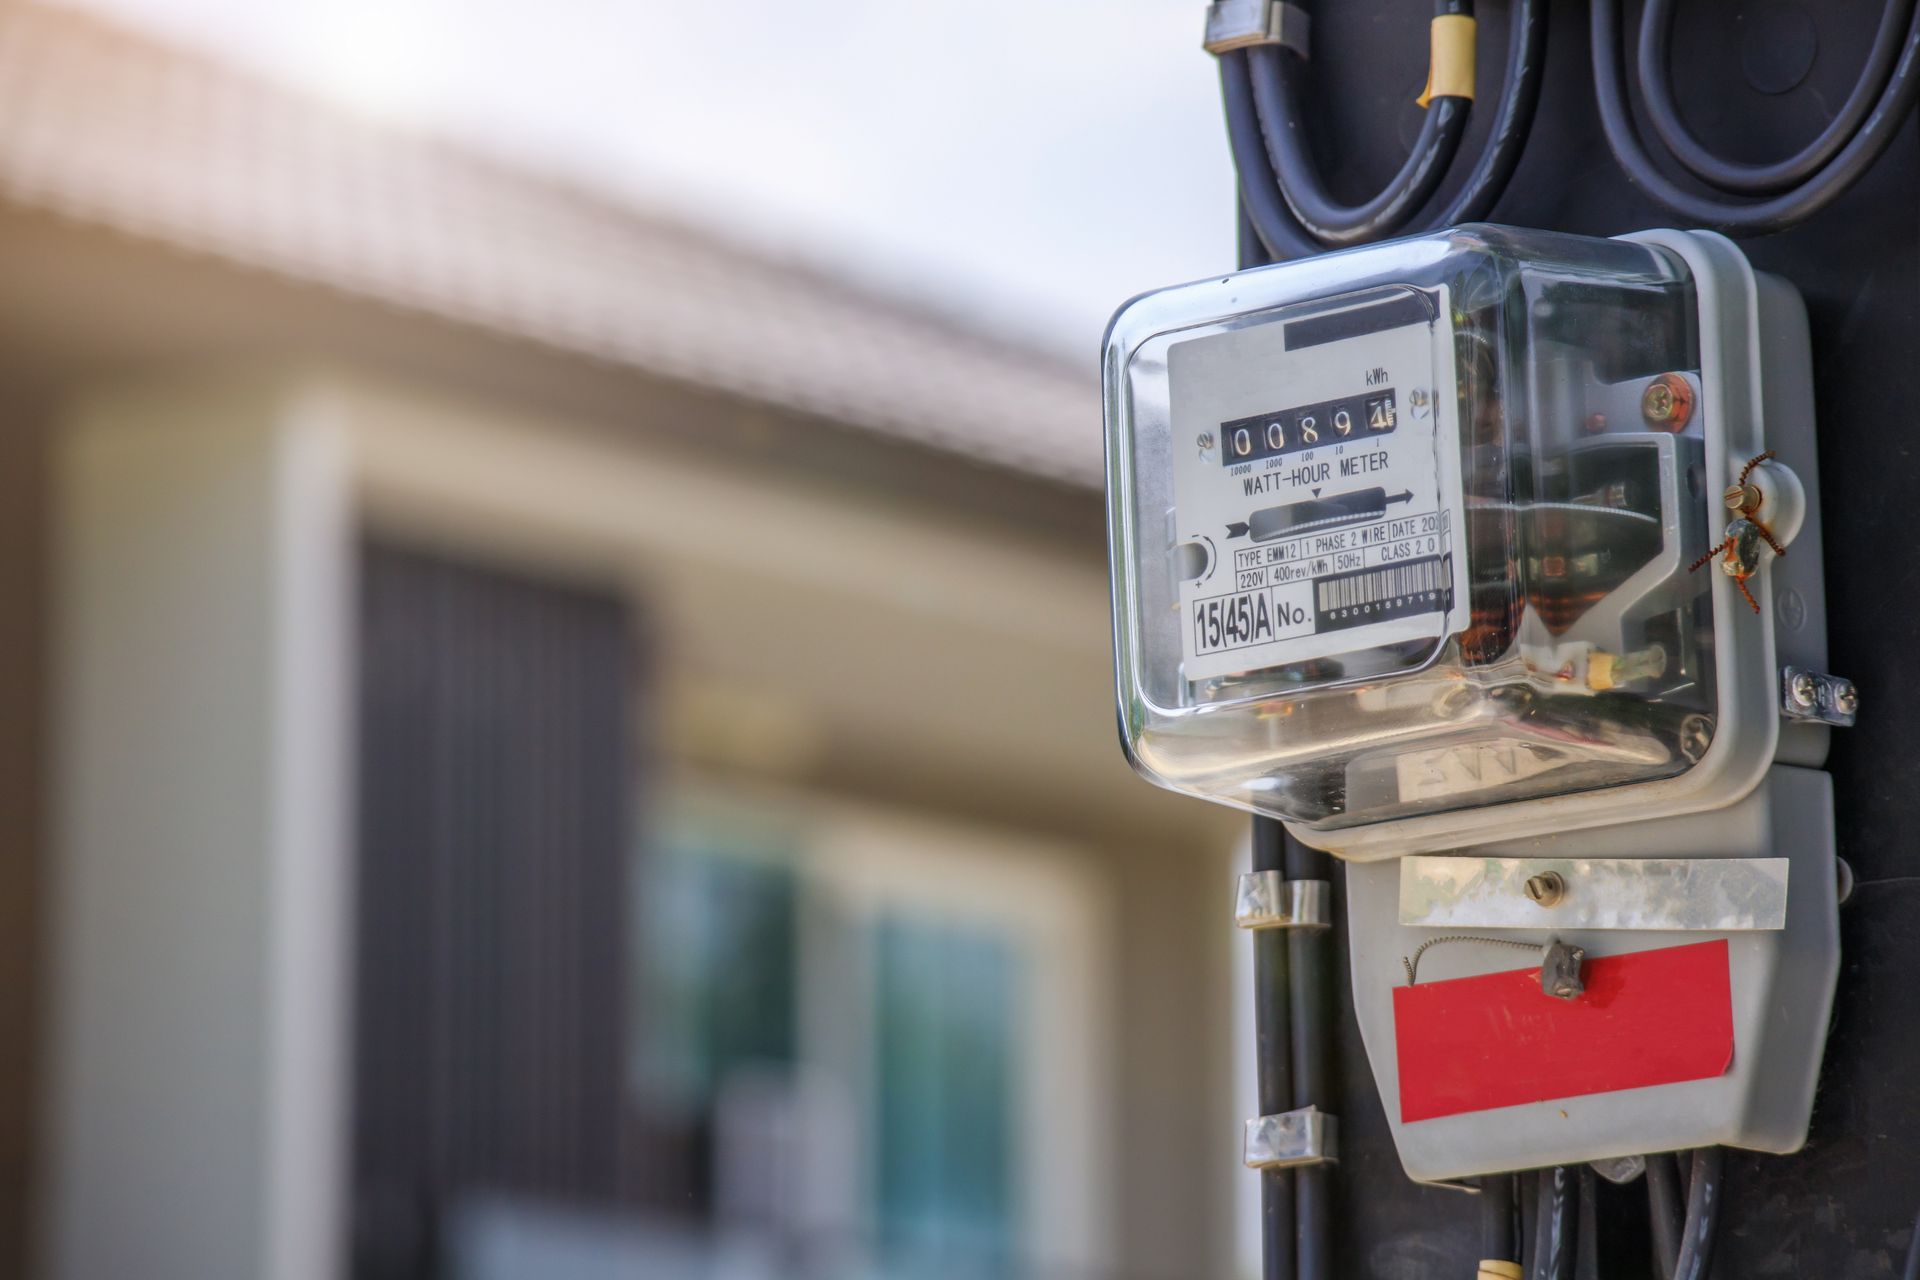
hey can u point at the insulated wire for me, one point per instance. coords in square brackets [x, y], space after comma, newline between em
[1663, 113]
[1663, 1203]
[1703, 1216]
[1866, 146]
[1519, 98]
[1280, 194]
[1586, 1248]
[1498, 1240]
[1280, 234]
[1552, 1246]
[1279, 77]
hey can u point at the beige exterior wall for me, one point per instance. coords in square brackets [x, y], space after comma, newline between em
[850, 641]
[928, 661]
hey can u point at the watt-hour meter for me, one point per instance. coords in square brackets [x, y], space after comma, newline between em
[1489, 561]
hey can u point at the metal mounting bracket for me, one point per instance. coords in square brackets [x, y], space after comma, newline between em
[1268, 900]
[1711, 895]
[1292, 1139]
[1817, 696]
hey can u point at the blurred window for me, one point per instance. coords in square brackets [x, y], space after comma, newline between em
[944, 1030]
[717, 963]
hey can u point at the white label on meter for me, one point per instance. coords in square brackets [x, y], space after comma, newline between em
[1316, 483]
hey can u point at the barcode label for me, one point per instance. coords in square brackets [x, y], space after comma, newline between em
[1392, 591]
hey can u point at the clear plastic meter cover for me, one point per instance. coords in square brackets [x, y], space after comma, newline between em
[1409, 528]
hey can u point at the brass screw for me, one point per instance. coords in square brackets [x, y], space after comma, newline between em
[1847, 699]
[1805, 689]
[1547, 888]
[1205, 441]
[1696, 735]
[1667, 403]
[1744, 498]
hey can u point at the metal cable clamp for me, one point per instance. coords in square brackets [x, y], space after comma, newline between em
[1242, 24]
[1292, 1140]
[1268, 900]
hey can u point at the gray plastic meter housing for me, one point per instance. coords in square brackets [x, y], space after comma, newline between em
[1404, 539]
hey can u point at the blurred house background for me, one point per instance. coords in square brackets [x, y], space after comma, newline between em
[537, 741]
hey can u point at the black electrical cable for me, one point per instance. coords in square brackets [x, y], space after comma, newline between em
[1663, 1204]
[1512, 122]
[1279, 86]
[1586, 1253]
[1663, 113]
[1553, 1226]
[1260, 199]
[1703, 1216]
[1859, 154]
[1272, 1021]
[1311, 970]
[1274, 197]
[1499, 1241]
[1912, 1270]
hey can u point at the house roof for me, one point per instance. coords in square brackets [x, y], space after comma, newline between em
[116, 130]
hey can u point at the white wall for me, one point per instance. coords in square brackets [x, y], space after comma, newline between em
[199, 878]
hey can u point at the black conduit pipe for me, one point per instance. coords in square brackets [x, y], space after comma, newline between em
[1272, 1019]
[1311, 970]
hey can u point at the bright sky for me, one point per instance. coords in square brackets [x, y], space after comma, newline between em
[1029, 162]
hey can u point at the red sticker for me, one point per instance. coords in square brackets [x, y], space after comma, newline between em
[1497, 1040]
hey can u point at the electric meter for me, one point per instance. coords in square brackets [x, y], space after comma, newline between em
[1489, 561]
[1406, 539]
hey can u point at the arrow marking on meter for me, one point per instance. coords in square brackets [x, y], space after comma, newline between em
[1317, 513]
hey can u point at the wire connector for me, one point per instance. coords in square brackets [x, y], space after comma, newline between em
[1242, 24]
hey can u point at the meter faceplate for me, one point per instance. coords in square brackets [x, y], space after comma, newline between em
[1476, 596]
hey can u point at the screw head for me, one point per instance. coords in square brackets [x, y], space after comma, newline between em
[1547, 888]
[1744, 498]
[1667, 403]
[1847, 698]
[1696, 735]
[1206, 440]
[1418, 396]
[1805, 689]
